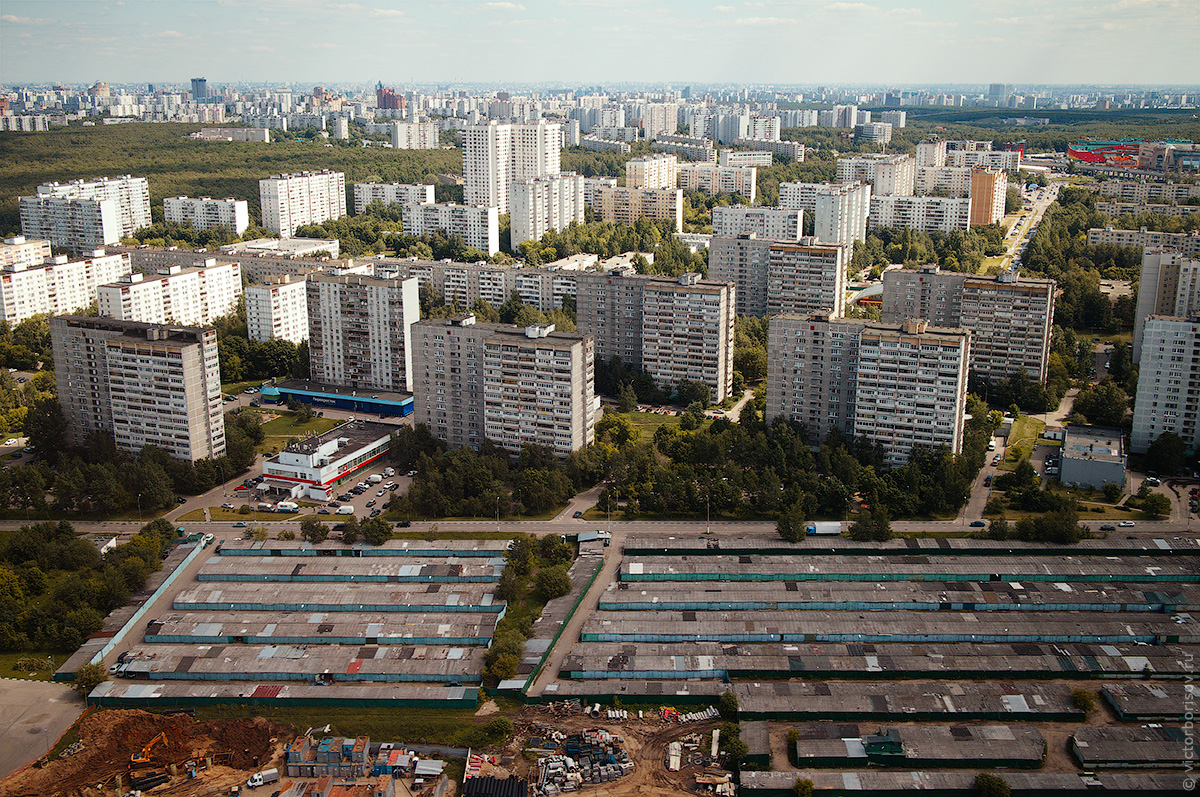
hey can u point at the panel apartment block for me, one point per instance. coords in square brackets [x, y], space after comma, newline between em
[205, 213]
[191, 296]
[627, 205]
[415, 135]
[953, 180]
[889, 175]
[780, 224]
[806, 277]
[789, 149]
[291, 200]
[145, 384]
[1009, 316]
[80, 225]
[901, 386]
[1185, 243]
[713, 179]
[359, 331]
[22, 253]
[1004, 160]
[507, 384]
[479, 226]
[130, 196]
[57, 286]
[462, 284]
[652, 171]
[925, 213]
[839, 211]
[741, 158]
[1169, 286]
[277, 309]
[495, 154]
[1168, 390]
[542, 204]
[391, 194]
[742, 260]
[1137, 191]
[989, 193]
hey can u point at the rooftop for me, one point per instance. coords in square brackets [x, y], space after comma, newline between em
[350, 436]
[1094, 443]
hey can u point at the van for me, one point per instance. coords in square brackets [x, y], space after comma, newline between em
[389, 473]
[345, 510]
[374, 478]
[287, 506]
[262, 778]
[263, 507]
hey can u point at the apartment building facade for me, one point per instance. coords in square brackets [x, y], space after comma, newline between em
[889, 175]
[81, 225]
[144, 384]
[788, 149]
[495, 155]
[744, 158]
[291, 200]
[415, 135]
[780, 224]
[989, 194]
[391, 194]
[205, 213]
[130, 197]
[713, 179]
[742, 259]
[56, 286]
[925, 213]
[805, 277]
[1169, 286]
[277, 309]
[652, 171]
[1168, 390]
[1138, 191]
[1186, 244]
[21, 253]
[194, 296]
[542, 204]
[479, 226]
[627, 205]
[839, 212]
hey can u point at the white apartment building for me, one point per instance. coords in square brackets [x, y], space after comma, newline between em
[806, 276]
[901, 386]
[278, 309]
[714, 179]
[462, 284]
[897, 119]
[1138, 191]
[144, 384]
[627, 205]
[206, 213]
[22, 253]
[1011, 317]
[742, 158]
[652, 171]
[1167, 396]
[790, 149]
[495, 155]
[931, 154]
[234, 134]
[955, 180]
[415, 135]
[877, 132]
[291, 200]
[924, 213]
[780, 224]
[1004, 160]
[1185, 243]
[130, 196]
[57, 286]
[541, 204]
[889, 175]
[1169, 286]
[391, 194]
[175, 295]
[81, 225]
[839, 211]
[475, 381]
[479, 226]
[359, 331]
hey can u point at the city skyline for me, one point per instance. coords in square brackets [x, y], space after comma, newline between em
[1128, 42]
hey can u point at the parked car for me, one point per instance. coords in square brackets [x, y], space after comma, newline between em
[12, 441]
[179, 499]
[249, 391]
[227, 506]
[380, 492]
[578, 514]
[371, 503]
[324, 511]
[240, 488]
[375, 513]
[404, 524]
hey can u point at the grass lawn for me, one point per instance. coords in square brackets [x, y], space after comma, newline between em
[236, 388]
[8, 663]
[647, 423]
[1021, 441]
[279, 430]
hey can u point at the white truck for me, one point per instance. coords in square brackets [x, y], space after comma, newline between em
[287, 506]
[263, 778]
[345, 510]
[389, 473]
[374, 478]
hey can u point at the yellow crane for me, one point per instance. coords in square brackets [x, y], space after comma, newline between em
[144, 756]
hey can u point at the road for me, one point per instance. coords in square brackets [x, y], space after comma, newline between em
[1020, 234]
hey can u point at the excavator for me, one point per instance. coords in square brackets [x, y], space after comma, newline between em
[144, 757]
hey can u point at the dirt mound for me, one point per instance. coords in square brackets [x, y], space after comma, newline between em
[111, 737]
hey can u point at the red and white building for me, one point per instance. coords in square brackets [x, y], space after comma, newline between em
[312, 468]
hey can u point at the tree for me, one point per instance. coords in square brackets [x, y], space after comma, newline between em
[626, 398]
[803, 787]
[727, 705]
[1156, 505]
[312, 529]
[376, 530]
[736, 750]
[552, 582]
[989, 785]
[791, 522]
[874, 526]
[88, 677]
[46, 427]
[351, 530]
[1083, 700]
[1104, 404]
[1167, 453]
[1112, 492]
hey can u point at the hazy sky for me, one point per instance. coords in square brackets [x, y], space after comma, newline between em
[599, 41]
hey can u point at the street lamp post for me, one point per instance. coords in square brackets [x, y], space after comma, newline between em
[139, 508]
[497, 513]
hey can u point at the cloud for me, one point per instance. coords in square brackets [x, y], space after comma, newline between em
[172, 34]
[850, 7]
[764, 21]
[504, 6]
[15, 20]
[722, 9]
[386, 12]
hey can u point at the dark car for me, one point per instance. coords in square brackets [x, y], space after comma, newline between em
[340, 527]
[375, 513]
[334, 504]
[404, 524]
[324, 511]
[371, 503]
[1108, 527]
[978, 524]
[179, 499]
[578, 514]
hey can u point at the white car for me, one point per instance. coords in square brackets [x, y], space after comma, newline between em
[1126, 524]
[12, 441]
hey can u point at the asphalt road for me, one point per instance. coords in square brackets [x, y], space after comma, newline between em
[33, 714]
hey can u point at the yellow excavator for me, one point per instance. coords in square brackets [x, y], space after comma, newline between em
[144, 756]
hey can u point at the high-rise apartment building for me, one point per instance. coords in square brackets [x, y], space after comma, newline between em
[627, 205]
[463, 284]
[291, 200]
[479, 226]
[1185, 243]
[674, 329]
[898, 385]
[130, 195]
[359, 331]
[144, 384]
[952, 180]
[889, 175]
[84, 215]
[1011, 317]
[542, 204]
[415, 135]
[19, 253]
[56, 286]
[897, 119]
[391, 194]
[789, 149]
[175, 295]
[839, 211]
[989, 193]
[1169, 286]
[931, 154]
[806, 276]
[199, 89]
[780, 224]
[744, 158]
[1141, 191]
[277, 309]
[1004, 160]
[652, 171]
[1168, 389]
[925, 213]
[476, 381]
[495, 155]
[875, 132]
[714, 179]
[205, 213]
[742, 260]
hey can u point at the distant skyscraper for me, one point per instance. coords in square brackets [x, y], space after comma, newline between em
[199, 89]
[998, 93]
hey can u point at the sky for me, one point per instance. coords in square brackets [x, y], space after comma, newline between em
[573, 42]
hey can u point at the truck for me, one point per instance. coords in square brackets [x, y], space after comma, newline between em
[821, 528]
[287, 506]
[389, 473]
[345, 510]
[374, 478]
[263, 778]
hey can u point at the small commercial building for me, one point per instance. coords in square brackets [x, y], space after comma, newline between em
[1093, 456]
[312, 467]
[380, 402]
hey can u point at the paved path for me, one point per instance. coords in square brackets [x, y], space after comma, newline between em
[33, 715]
[735, 412]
